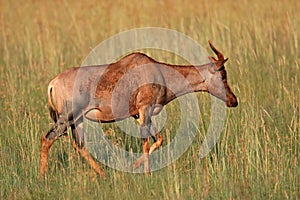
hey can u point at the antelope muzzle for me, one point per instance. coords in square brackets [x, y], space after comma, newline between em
[231, 100]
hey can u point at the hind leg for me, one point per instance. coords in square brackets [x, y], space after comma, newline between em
[47, 140]
[78, 136]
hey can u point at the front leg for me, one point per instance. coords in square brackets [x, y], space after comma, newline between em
[145, 144]
[145, 132]
[158, 139]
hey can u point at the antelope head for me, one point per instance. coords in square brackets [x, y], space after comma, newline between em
[217, 79]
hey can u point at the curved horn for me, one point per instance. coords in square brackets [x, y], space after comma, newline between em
[219, 54]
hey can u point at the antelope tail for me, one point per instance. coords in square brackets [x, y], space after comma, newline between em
[51, 98]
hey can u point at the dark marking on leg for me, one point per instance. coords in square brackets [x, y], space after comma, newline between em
[77, 132]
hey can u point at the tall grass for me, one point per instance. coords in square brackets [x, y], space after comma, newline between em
[258, 153]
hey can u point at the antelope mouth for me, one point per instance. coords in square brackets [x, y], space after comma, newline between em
[231, 102]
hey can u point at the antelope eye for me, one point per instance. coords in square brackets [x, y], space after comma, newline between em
[223, 75]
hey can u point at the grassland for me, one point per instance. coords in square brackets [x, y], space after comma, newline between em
[258, 153]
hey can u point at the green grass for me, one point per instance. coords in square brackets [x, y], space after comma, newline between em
[258, 152]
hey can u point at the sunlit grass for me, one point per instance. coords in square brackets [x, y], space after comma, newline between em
[257, 156]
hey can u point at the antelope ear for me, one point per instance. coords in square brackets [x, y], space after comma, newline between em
[212, 59]
[224, 61]
[220, 64]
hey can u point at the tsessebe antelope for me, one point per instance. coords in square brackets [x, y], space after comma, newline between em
[99, 93]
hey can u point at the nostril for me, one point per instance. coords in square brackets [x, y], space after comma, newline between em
[235, 104]
[232, 102]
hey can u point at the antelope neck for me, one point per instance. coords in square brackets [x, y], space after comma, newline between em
[190, 79]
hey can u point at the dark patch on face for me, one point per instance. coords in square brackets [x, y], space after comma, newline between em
[231, 99]
[223, 74]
